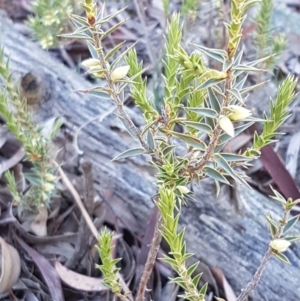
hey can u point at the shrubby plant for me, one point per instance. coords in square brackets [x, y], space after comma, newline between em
[42, 179]
[213, 106]
[266, 42]
[210, 106]
[50, 19]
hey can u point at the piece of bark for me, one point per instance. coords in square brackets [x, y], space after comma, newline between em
[215, 233]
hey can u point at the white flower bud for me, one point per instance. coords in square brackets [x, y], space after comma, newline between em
[196, 154]
[183, 189]
[238, 113]
[279, 245]
[48, 187]
[226, 125]
[119, 73]
[91, 63]
[49, 177]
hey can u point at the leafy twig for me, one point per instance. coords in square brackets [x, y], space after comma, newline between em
[259, 272]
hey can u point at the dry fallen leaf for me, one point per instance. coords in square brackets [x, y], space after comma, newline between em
[78, 281]
[47, 271]
[223, 284]
[37, 224]
[10, 266]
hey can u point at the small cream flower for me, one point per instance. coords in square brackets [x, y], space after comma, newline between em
[226, 125]
[49, 177]
[196, 154]
[183, 189]
[91, 63]
[279, 245]
[119, 73]
[238, 113]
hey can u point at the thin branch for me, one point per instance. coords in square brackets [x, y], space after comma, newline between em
[259, 272]
[114, 94]
[78, 201]
[198, 166]
[154, 248]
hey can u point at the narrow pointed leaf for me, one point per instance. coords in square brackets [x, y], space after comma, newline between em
[187, 255]
[101, 12]
[278, 196]
[112, 29]
[246, 68]
[116, 62]
[214, 174]
[213, 100]
[292, 238]
[76, 36]
[129, 153]
[85, 30]
[99, 94]
[150, 140]
[256, 62]
[237, 95]
[204, 112]
[240, 84]
[209, 83]
[113, 51]
[282, 257]
[76, 23]
[166, 151]
[126, 127]
[235, 158]
[224, 164]
[202, 127]
[147, 127]
[273, 226]
[109, 17]
[216, 54]
[238, 58]
[79, 19]
[92, 50]
[192, 269]
[196, 279]
[203, 289]
[291, 223]
[198, 144]
[226, 65]
[179, 281]
[170, 261]
[95, 70]
[248, 89]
